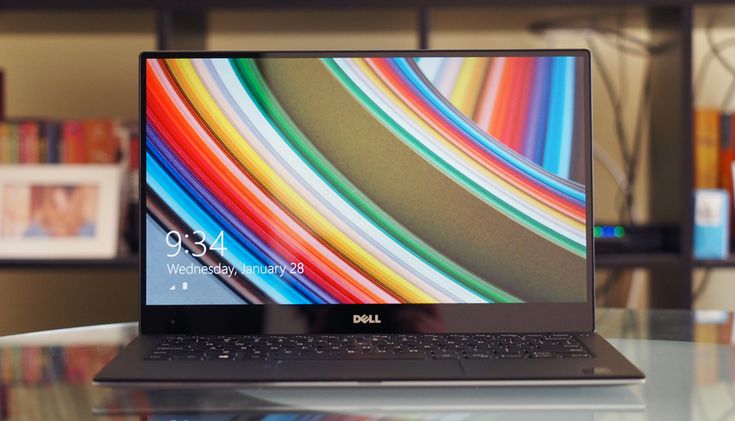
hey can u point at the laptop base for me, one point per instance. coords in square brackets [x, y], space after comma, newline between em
[606, 366]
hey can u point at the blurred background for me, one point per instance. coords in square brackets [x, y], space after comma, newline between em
[663, 86]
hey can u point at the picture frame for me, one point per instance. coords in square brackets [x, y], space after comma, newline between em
[60, 211]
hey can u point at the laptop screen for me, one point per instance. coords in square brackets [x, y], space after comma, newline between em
[366, 180]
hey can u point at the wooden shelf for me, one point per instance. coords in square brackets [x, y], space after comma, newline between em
[725, 263]
[633, 260]
[121, 262]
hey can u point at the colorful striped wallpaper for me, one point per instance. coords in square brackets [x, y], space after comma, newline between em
[526, 103]
[242, 148]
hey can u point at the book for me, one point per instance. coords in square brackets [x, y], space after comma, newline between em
[22, 145]
[51, 142]
[29, 142]
[2, 95]
[727, 157]
[711, 224]
[43, 141]
[706, 148]
[97, 141]
[727, 151]
[72, 150]
[14, 140]
[101, 141]
[4, 143]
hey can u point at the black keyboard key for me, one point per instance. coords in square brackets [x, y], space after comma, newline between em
[445, 355]
[185, 357]
[574, 355]
[479, 356]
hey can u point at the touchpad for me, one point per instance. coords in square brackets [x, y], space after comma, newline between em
[342, 370]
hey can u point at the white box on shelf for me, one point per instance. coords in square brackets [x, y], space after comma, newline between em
[711, 224]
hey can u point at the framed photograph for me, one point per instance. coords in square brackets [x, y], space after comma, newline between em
[59, 211]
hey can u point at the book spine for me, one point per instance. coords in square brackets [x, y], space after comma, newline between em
[2, 95]
[29, 139]
[727, 151]
[727, 158]
[42, 155]
[13, 144]
[35, 153]
[73, 143]
[706, 147]
[4, 144]
[52, 142]
[22, 136]
[101, 141]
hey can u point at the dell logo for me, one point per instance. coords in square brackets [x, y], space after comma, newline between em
[366, 318]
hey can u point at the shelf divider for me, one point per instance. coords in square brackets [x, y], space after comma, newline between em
[181, 29]
[670, 156]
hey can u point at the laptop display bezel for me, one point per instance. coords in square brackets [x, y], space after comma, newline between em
[338, 318]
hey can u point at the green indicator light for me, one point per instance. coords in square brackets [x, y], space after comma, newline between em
[598, 232]
[619, 232]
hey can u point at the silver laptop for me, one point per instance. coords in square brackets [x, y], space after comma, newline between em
[367, 218]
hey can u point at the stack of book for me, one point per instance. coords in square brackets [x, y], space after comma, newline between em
[94, 141]
[714, 151]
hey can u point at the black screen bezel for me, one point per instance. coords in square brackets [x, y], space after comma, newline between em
[274, 318]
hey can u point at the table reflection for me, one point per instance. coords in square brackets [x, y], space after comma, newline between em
[368, 402]
[690, 364]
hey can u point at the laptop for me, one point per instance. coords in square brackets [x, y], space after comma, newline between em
[366, 218]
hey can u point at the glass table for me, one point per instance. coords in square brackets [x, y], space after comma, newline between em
[689, 358]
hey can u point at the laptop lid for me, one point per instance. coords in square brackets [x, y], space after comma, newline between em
[390, 191]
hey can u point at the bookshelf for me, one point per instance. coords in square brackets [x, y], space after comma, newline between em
[183, 25]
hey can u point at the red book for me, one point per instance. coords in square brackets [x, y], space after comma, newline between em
[29, 142]
[72, 145]
[727, 157]
[101, 141]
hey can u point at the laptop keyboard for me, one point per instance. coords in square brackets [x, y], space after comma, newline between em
[361, 347]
